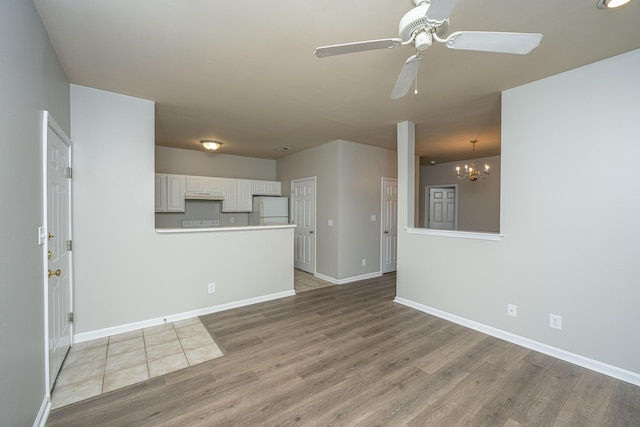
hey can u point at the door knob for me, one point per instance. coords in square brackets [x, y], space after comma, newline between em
[386, 231]
[310, 231]
[54, 273]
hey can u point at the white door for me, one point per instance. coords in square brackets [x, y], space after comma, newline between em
[442, 208]
[389, 224]
[58, 246]
[303, 215]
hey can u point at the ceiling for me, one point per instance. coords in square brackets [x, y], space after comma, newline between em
[244, 72]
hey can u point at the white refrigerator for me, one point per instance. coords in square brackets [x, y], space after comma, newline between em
[269, 210]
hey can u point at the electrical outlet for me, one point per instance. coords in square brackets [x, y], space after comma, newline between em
[211, 288]
[330, 222]
[232, 220]
[555, 321]
[512, 310]
[373, 217]
[364, 262]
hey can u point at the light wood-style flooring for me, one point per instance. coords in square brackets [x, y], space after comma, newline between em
[348, 355]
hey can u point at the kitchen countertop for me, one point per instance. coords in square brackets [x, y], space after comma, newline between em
[223, 229]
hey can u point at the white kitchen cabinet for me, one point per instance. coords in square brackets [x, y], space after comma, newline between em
[212, 185]
[266, 188]
[194, 184]
[161, 192]
[169, 193]
[237, 195]
[203, 184]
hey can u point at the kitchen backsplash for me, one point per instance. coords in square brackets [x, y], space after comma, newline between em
[201, 210]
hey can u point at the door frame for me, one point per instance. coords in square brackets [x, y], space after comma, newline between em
[315, 219]
[427, 205]
[382, 182]
[48, 122]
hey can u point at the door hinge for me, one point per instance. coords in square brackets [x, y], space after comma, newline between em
[68, 172]
[70, 317]
[69, 245]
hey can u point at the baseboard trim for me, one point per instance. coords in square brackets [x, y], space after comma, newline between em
[348, 279]
[43, 413]
[101, 333]
[576, 359]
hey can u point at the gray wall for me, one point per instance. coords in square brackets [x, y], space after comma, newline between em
[348, 192]
[192, 162]
[321, 162]
[361, 170]
[478, 202]
[570, 222]
[31, 80]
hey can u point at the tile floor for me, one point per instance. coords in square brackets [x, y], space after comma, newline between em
[95, 367]
[304, 281]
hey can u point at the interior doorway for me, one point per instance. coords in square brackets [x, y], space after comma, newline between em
[56, 236]
[303, 215]
[442, 207]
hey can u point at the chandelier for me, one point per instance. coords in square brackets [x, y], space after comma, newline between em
[471, 172]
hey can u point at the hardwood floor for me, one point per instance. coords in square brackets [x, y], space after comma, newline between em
[347, 355]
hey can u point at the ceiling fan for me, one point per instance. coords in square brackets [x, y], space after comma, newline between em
[423, 24]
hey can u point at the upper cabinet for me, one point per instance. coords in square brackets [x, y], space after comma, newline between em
[203, 184]
[237, 195]
[169, 192]
[266, 188]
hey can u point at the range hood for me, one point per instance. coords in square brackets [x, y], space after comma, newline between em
[203, 195]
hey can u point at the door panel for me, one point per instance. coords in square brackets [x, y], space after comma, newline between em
[389, 225]
[58, 282]
[303, 215]
[442, 208]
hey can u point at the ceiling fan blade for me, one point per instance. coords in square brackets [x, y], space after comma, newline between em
[440, 10]
[520, 43]
[340, 49]
[406, 77]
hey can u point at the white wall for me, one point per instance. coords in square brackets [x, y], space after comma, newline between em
[31, 79]
[124, 271]
[570, 224]
[201, 163]
[478, 202]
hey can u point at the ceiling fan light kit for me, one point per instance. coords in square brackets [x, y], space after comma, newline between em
[610, 4]
[429, 21]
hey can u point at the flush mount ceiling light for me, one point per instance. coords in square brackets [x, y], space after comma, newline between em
[210, 144]
[610, 4]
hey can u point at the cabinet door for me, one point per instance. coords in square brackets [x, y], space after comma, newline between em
[237, 195]
[213, 185]
[266, 188]
[245, 199]
[259, 188]
[274, 188]
[175, 193]
[161, 192]
[194, 183]
[229, 190]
